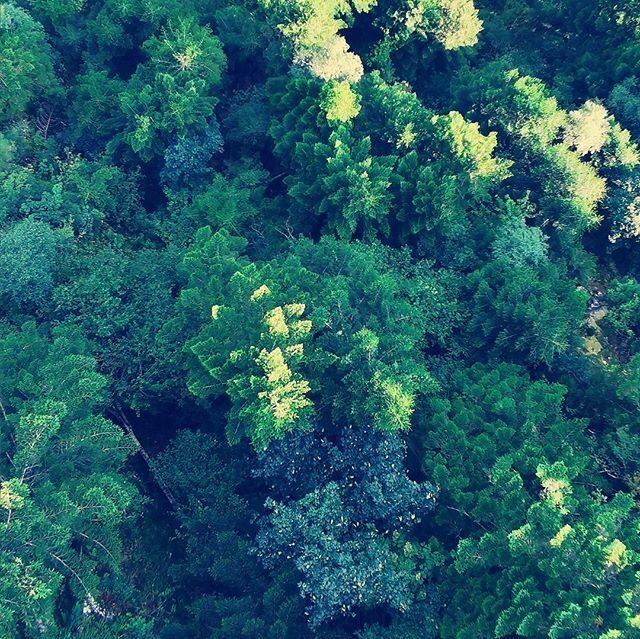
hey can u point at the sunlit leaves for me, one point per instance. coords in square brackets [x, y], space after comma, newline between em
[340, 102]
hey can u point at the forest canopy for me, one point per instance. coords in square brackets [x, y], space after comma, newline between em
[319, 319]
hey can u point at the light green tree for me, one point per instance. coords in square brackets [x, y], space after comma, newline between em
[345, 350]
[63, 493]
[541, 548]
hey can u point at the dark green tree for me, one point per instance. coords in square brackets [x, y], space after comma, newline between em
[26, 64]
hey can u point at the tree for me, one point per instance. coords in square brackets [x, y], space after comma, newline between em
[456, 23]
[470, 148]
[452, 23]
[383, 250]
[419, 620]
[300, 327]
[185, 162]
[26, 65]
[268, 394]
[524, 311]
[94, 109]
[213, 517]
[446, 169]
[173, 93]
[625, 104]
[537, 550]
[336, 174]
[109, 296]
[333, 61]
[88, 198]
[561, 182]
[312, 27]
[622, 208]
[572, 190]
[205, 478]
[63, 494]
[297, 117]
[351, 193]
[339, 101]
[341, 533]
[587, 128]
[623, 306]
[30, 256]
[517, 243]
[394, 115]
[235, 202]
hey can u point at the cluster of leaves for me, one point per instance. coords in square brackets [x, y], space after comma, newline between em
[339, 515]
[330, 330]
[539, 551]
[62, 496]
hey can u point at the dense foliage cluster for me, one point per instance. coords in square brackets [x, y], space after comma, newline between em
[319, 319]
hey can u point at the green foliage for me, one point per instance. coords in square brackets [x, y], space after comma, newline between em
[624, 101]
[232, 202]
[63, 495]
[268, 393]
[470, 148]
[89, 198]
[523, 311]
[214, 528]
[622, 208]
[94, 109]
[452, 23]
[538, 546]
[175, 90]
[352, 192]
[274, 612]
[623, 308]
[289, 327]
[257, 367]
[340, 102]
[30, 255]
[212, 516]
[329, 232]
[186, 160]
[573, 190]
[456, 23]
[312, 27]
[419, 621]
[628, 387]
[26, 69]
[345, 534]
[519, 244]
[120, 301]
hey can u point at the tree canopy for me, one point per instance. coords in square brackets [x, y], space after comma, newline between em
[319, 319]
